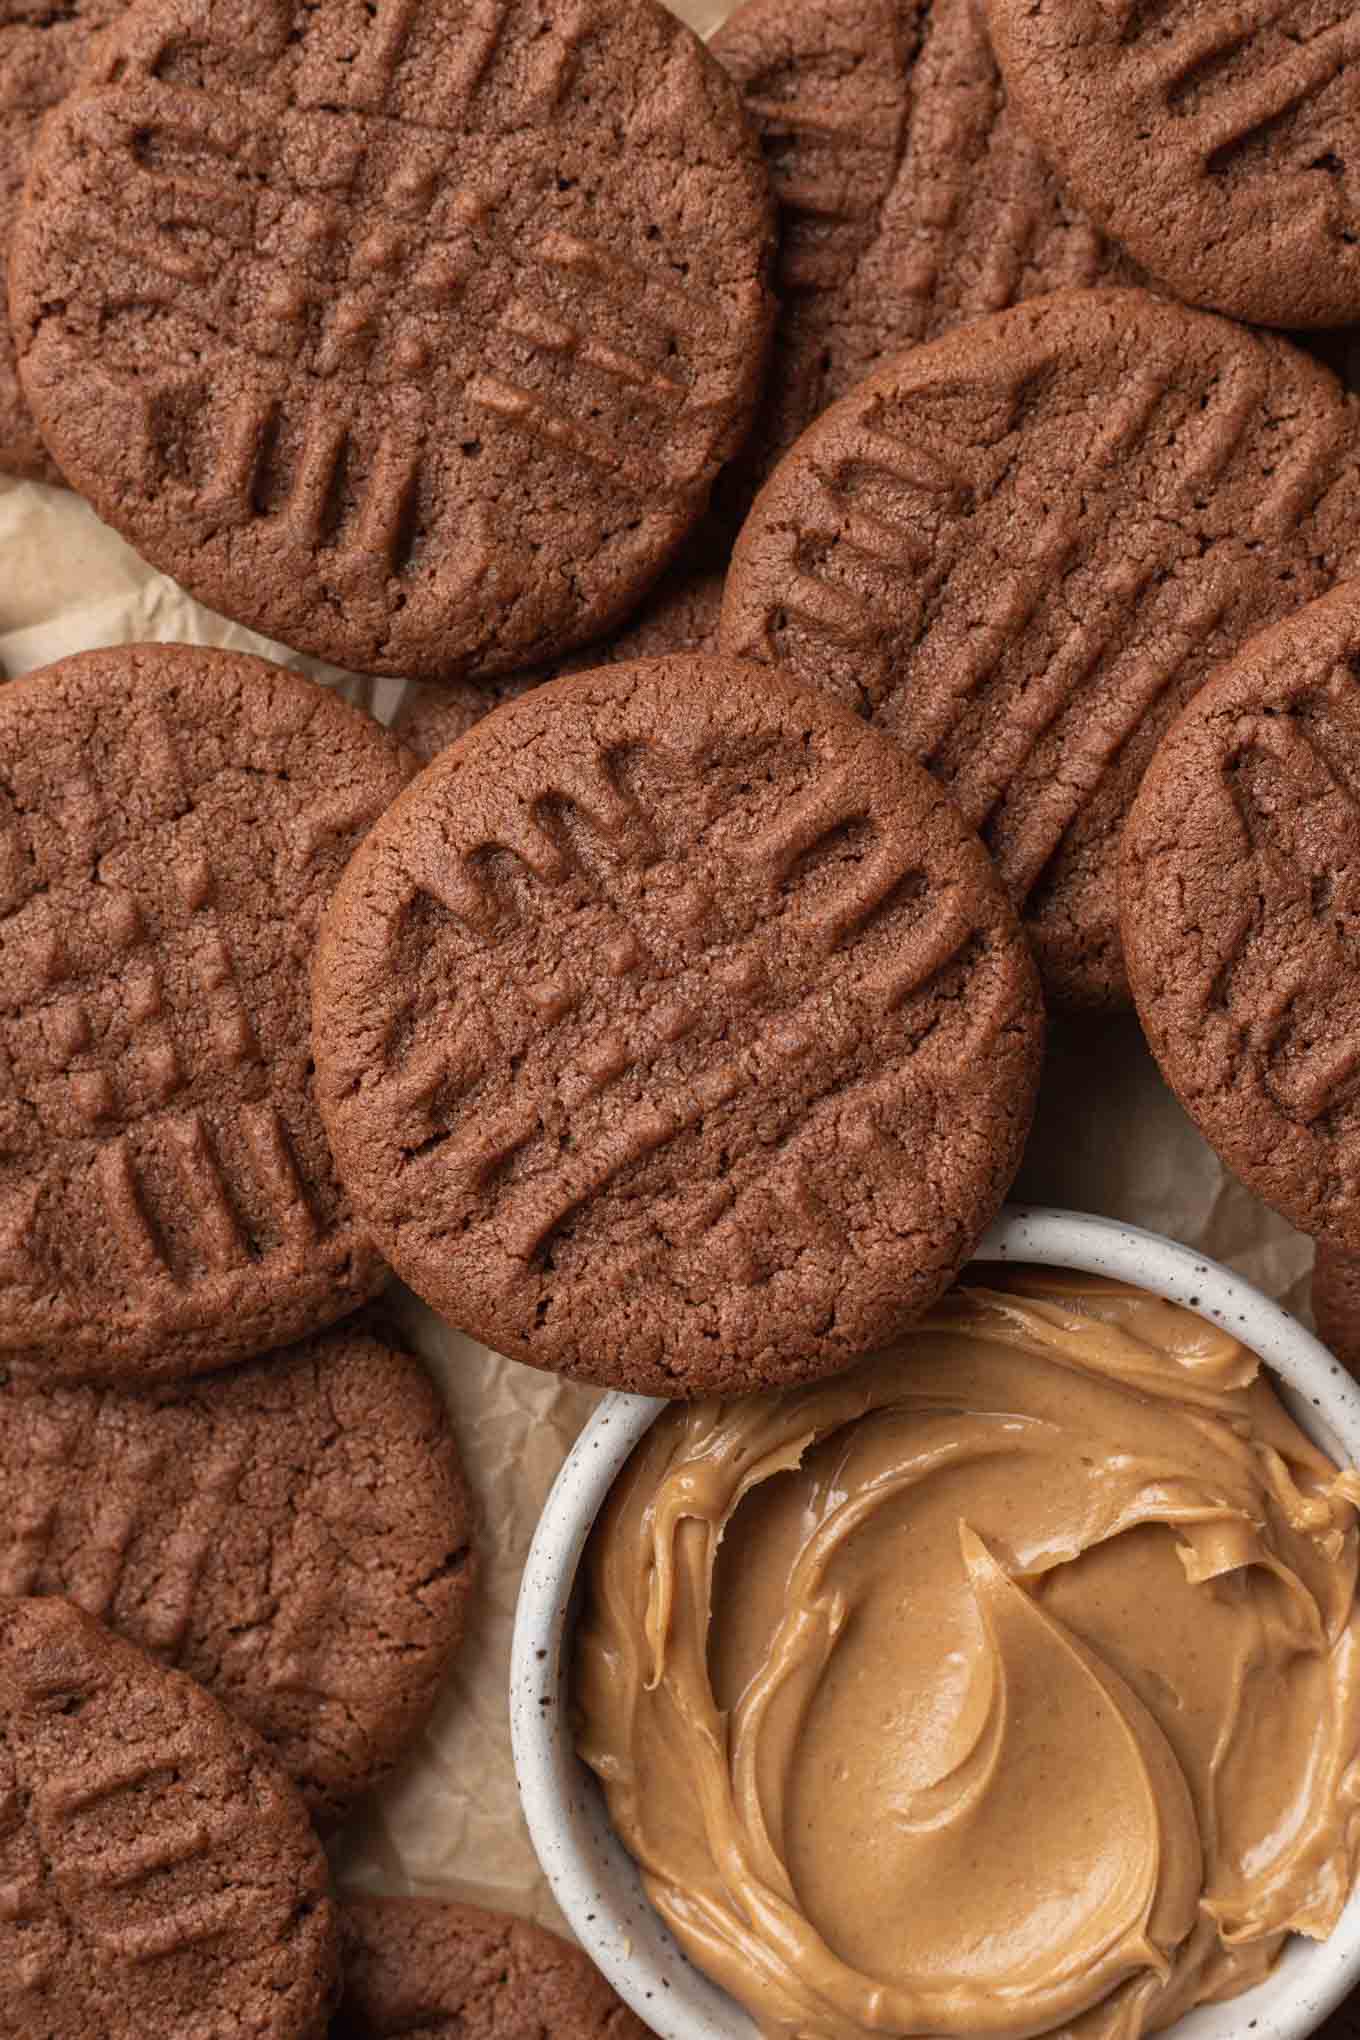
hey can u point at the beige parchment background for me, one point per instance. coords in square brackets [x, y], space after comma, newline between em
[1110, 1139]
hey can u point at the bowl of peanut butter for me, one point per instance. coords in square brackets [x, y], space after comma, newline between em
[1006, 1683]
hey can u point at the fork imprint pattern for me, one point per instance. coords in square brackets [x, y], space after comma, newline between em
[148, 1146]
[879, 931]
[340, 247]
[1013, 679]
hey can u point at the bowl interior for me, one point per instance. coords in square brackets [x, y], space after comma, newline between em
[594, 1879]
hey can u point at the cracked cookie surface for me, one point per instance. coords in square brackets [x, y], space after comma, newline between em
[295, 1534]
[159, 1870]
[412, 335]
[1219, 143]
[173, 820]
[454, 1972]
[1240, 889]
[43, 48]
[674, 1033]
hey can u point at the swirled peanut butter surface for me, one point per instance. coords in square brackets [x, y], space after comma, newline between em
[1008, 1684]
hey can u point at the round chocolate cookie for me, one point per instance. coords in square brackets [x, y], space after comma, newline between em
[674, 1033]
[294, 1534]
[1019, 549]
[453, 1972]
[1336, 1302]
[1219, 143]
[158, 1874]
[413, 336]
[1240, 889]
[172, 823]
[41, 53]
[680, 616]
[909, 197]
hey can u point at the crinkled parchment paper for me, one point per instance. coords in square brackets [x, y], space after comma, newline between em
[1110, 1139]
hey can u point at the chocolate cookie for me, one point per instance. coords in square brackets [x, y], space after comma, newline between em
[674, 1033]
[294, 1534]
[452, 1972]
[1336, 1303]
[429, 719]
[1220, 144]
[1240, 888]
[41, 52]
[412, 336]
[909, 197]
[157, 1870]
[172, 823]
[680, 616]
[1019, 550]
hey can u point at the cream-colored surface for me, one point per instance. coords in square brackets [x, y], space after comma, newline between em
[1110, 1139]
[1008, 1683]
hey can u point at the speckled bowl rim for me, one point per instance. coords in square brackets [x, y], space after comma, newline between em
[592, 1877]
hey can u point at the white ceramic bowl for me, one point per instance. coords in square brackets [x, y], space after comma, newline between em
[592, 1876]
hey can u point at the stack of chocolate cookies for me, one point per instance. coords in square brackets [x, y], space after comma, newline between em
[869, 557]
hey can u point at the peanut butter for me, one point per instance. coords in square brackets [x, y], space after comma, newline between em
[1008, 1684]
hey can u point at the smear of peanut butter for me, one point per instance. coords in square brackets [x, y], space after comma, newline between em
[1008, 1684]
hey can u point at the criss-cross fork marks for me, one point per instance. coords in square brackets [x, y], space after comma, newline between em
[880, 891]
[161, 985]
[67, 1007]
[135, 1894]
[1159, 75]
[1308, 1081]
[363, 281]
[83, 958]
[366, 505]
[767, 1059]
[128, 1509]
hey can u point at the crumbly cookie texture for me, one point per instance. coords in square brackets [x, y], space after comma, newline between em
[674, 1032]
[1219, 145]
[160, 1872]
[1241, 902]
[294, 1533]
[173, 820]
[413, 337]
